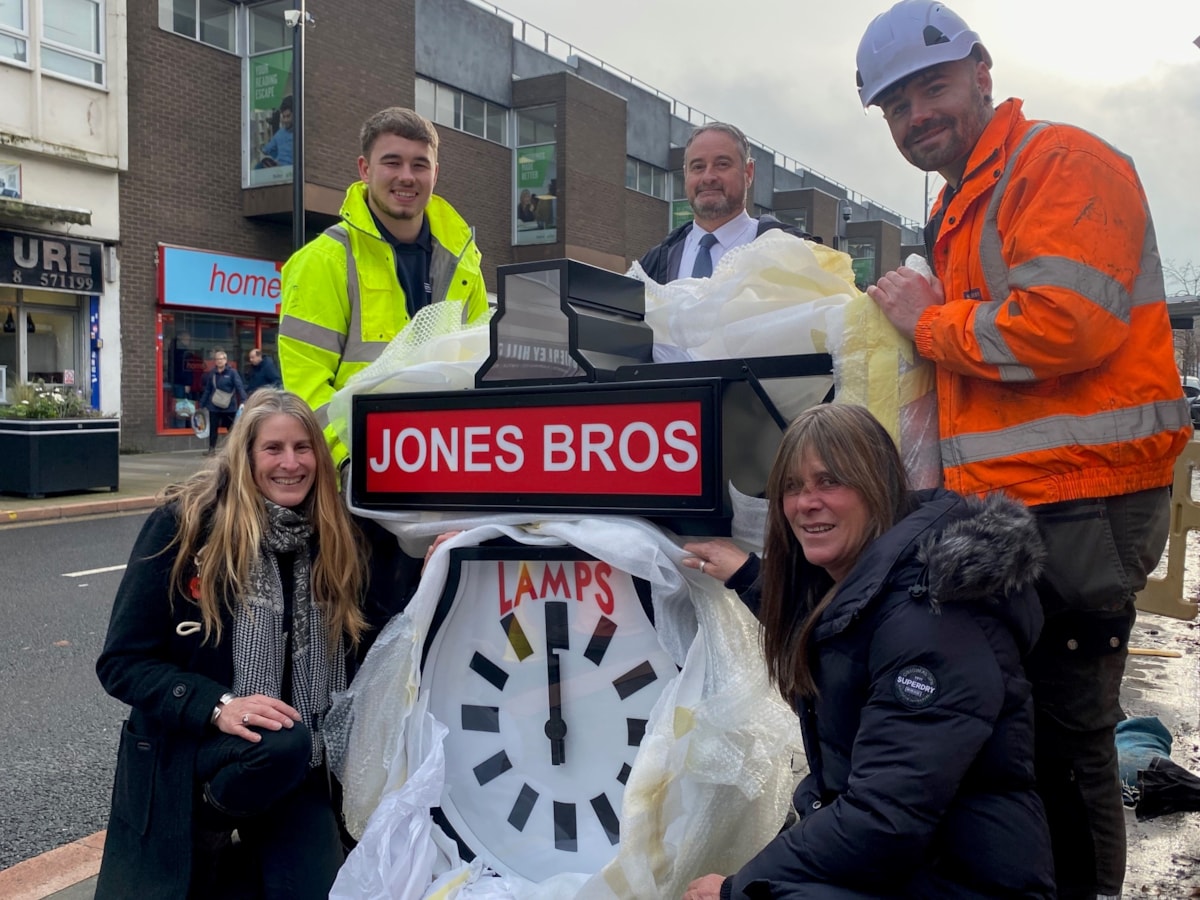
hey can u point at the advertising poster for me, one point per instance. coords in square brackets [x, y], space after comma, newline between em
[681, 212]
[535, 195]
[270, 115]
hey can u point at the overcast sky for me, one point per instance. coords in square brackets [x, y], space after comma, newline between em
[783, 70]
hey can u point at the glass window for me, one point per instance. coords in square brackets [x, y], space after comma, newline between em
[497, 124]
[71, 32]
[13, 43]
[425, 97]
[218, 24]
[862, 260]
[188, 341]
[72, 23]
[212, 22]
[631, 173]
[473, 115]
[13, 48]
[12, 14]
[178, 16]
[644, 178]
[447, 106]
[268, 31]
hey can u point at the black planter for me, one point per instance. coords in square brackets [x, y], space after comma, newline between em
[59, 456]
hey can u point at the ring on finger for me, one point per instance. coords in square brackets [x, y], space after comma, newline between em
[246, 719]
[703, 563]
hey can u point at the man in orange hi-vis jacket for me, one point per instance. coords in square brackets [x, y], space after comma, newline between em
[1056, 382]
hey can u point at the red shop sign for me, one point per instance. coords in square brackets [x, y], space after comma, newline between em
[638, 449]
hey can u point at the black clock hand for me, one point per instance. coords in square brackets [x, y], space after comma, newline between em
[557, 638]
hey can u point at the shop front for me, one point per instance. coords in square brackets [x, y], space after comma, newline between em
[208, 301]
[50, 287]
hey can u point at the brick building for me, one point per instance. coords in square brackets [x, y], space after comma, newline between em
[546, 156]
[62, 149]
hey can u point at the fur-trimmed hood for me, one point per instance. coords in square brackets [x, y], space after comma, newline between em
[991, 553]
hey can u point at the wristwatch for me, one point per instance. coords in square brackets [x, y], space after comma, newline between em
[216, 713]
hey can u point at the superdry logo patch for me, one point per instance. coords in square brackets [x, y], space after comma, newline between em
[915, 687]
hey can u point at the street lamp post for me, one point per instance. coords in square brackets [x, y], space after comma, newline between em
[296, 19]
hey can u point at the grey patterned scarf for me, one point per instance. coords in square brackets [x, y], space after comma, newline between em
[259, 631]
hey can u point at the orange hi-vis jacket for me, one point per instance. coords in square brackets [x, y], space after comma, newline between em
[1056, 375]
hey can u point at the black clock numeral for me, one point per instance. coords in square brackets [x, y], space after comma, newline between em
[492, 767]
[516, 636]
[565, 834]
[601, 637]
[480, 718]
[637, 731]
[491, 672]
[635, 679]
[623, 775]
[523, 807]
[608, 818]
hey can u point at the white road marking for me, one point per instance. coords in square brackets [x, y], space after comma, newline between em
[94, 571]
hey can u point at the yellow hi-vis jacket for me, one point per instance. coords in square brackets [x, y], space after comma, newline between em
[342, 302]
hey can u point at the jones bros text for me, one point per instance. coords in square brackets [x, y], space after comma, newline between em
[627, 448]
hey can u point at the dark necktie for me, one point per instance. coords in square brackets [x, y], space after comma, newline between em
[702, 268]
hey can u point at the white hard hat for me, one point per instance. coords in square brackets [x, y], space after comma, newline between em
[911, 36]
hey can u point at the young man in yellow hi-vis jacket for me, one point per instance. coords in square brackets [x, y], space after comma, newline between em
[398, 248]
[348, 292]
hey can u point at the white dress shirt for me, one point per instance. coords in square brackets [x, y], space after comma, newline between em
[741, 229]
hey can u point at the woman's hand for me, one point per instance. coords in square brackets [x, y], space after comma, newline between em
[241, 714]
[719, 558]
[706, 888]
[437, 542]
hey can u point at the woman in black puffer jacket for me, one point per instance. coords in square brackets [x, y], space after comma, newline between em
[896, 622]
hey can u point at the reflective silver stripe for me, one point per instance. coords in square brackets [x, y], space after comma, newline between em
[1059, 271]
[992, 348]
[322, 414]
[355, 349]
[442, 269]
[1148, 287]
[1118, 426]
[991, 250]
[310, 333]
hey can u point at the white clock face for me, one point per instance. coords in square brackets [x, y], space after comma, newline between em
[544, 669]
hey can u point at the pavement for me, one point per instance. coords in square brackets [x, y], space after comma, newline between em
[1164, 853]
[69, 872]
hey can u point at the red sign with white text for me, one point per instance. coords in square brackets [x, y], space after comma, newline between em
[650, 448]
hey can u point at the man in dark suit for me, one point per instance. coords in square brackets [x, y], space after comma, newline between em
[718, 172]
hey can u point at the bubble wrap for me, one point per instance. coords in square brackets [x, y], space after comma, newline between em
[781, 295]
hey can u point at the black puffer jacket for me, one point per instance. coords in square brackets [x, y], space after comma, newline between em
[920, 741]
[661, 260]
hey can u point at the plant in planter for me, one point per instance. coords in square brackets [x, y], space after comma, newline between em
[53, 442]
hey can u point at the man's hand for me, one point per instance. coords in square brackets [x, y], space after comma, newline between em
[903, 295]
[706, 888]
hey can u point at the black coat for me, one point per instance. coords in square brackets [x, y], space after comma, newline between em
[662, 260]
[920, 739]
[172, 683]
[229, 380]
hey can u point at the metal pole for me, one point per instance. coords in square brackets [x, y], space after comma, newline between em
[298, 128]
[926, 196]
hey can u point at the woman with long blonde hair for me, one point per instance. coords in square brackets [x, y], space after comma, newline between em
[234, 625]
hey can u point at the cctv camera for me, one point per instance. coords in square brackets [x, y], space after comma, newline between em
[292, 17]
[846, 212]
